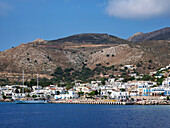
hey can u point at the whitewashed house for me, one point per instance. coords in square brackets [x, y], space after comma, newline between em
[84, 89]
[71, 94]
[166, 82]
[119, 95]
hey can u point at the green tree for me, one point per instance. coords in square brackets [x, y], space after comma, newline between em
[122, 90]
[109, 93]
[99, 92]
[57, 92]
[48, 97]
[126, 68]
[3, 96]
[146, 77]
[160, 80]
[92, 93]
[80, 94]
[139, 65]
[150, 61]
[27, 90]
[28, 95]
[34, 96]
[68, 86]
[58, 71]
[103, 81]
[96, 92]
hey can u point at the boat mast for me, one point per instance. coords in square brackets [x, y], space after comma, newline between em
[23, 77]
[37, 82]
[167, 86]
[23, 82]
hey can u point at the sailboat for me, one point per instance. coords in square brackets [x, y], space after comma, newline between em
[33, 101]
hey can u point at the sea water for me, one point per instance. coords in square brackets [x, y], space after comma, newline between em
[83, 116]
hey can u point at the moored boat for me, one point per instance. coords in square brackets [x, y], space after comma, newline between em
[30, 101]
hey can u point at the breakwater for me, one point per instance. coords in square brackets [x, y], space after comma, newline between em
[104, 103]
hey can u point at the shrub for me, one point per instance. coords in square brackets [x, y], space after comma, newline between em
[107, 55]
[150, 61]
[34, 96]
[98, 64]
[139, 65]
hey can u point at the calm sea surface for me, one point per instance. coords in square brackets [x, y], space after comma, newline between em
[83, 116]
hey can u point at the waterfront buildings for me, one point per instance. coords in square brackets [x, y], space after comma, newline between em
[112, 89]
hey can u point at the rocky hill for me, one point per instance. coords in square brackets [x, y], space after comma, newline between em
[88, 50]
[162, 34]
[89, 38]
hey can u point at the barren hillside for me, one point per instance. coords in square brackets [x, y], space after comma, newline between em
[83, 50]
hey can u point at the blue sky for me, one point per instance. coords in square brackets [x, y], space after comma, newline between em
[23, 21]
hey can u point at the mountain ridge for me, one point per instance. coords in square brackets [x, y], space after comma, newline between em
[161, 34]
[94, 38]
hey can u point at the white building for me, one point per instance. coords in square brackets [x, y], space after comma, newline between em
[71, 94]
[84, 89]
[7, 93]
[120, 95]
[166, 82]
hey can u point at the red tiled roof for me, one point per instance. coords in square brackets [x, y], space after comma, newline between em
[52, 88]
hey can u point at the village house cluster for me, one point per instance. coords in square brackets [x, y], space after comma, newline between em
[112, 89]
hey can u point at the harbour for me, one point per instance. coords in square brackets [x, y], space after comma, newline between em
[85, 64]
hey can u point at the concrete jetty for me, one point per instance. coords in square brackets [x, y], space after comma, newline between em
[92, 102]
[107, 102]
